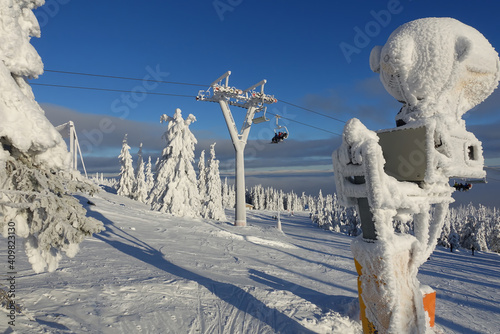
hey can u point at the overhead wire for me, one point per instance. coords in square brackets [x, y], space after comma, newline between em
[181, 83]
[495, 168]
[311, 126]
[124, 78]
[170, 94]
[313, 111]
[107, 89]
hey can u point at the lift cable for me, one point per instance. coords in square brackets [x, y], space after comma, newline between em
[311, 126]
[125, 78]
[108, 90]
[167, 94]
[313, 111]
[181, 83]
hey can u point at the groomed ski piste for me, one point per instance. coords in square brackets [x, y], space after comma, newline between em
[150, 272]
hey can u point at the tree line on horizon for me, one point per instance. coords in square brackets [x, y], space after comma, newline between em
[172, 186]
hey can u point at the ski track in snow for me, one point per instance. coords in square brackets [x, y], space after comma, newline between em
[154, 273]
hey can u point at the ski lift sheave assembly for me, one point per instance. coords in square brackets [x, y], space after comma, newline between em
[220, 90]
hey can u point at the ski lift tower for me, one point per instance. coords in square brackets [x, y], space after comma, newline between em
[252, 100]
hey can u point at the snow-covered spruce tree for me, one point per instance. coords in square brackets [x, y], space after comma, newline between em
[202, 178]
[140, 191]
[213, 206]
[35, 179]
[231, 191]
[157, 164]
[225, 199]
[175, 190]
[126, 178]
[494, 233]
[150, 180]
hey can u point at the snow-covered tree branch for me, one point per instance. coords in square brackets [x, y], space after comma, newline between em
[35, 180]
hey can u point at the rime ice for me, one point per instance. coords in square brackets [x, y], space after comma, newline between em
[34, 175]
[439, 68]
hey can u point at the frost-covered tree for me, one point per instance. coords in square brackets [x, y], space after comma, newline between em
[279, 199]
[231, 196]
[126, 178]
[35, 179]
[140, 191]
[225, 194]
[157, 164]
[494, 233]
[270, 199]
[228, 195]
[175, 190]
[445, 232]
[202, 178]
[213, 205]
[150, 181]
[258, 198]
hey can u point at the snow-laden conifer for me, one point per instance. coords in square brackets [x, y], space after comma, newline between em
[213, 206]
[202, 178]
[231, 196]
[157, 164]
[126, 178]
[175, 190]
[35, 179]
[140, 192]
[225, 194]
[150, 181]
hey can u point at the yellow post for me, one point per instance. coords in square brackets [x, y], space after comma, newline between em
[368, 327]
[429, 301]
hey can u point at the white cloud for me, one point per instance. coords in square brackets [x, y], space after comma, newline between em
[99, 135]
[292, 165]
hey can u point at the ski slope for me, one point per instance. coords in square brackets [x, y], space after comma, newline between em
[153, 273]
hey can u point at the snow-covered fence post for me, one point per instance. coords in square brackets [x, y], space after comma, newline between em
[439, 68]
[254, 102]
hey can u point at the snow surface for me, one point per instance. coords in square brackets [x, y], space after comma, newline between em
[150, 272]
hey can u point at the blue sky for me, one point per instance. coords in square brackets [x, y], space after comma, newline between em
[299, 47]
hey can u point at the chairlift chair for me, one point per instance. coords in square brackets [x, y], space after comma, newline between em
[262, 118]
[466, 184]
[279, 134]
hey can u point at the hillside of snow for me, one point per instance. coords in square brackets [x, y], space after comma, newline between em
[150, 272]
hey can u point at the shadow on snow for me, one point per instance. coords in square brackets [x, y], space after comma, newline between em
[229, 293]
